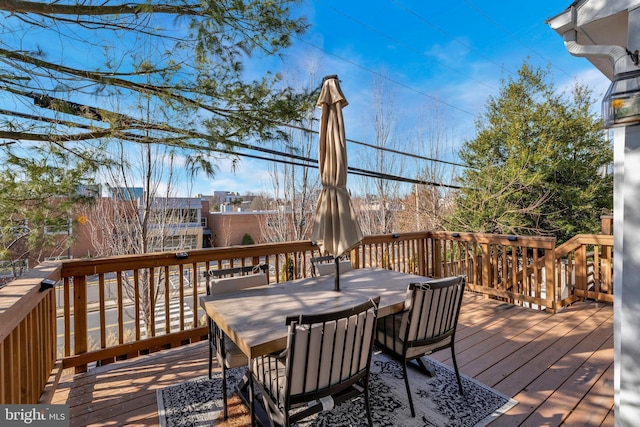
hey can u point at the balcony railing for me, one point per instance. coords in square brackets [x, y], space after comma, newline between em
[121, 307]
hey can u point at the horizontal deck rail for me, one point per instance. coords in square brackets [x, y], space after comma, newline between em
[124, 306]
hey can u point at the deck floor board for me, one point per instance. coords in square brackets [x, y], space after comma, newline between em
[559, 367]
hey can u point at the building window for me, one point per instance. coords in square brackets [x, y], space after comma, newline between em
[19, 228]
[174, 243]
[59, 225]
[179, 216]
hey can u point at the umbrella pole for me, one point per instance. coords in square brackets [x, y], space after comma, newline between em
[336, 287]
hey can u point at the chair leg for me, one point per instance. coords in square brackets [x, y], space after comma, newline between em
[224, 391]
[252, 398]
[406, 383]
[210, 359]
[455, 366]
[211, 338]
[366, 402]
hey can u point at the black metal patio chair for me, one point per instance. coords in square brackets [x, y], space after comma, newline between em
[222, 281]
[427, 324]
[326, 362]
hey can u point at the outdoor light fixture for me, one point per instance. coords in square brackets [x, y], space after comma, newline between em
[46, 284]
[621, 104]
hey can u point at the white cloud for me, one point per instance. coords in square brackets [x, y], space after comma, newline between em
[249, 176]
[590, 77]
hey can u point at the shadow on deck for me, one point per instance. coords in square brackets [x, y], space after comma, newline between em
[559, 367]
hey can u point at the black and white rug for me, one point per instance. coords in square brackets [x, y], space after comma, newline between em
[436, 399]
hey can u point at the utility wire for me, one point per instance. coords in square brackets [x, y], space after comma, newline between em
[301, 160]
[504, 30]
[82, 110]
[408, 47]
[312, 163]
[437, 28]
[375, 147]
[355, 64]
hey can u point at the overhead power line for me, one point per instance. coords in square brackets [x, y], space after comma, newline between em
[399, 83]
[504, 30]
[82, 110]
[408, 47]
[450, 36]
[312, 163]
[291, 159]
[375, 147]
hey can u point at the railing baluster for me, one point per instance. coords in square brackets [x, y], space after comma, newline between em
[151, 284]
[181, 296]
[67, 315]
[167, 300]
[80, 319]
[136, 304]
[120, 303]
[103, 322]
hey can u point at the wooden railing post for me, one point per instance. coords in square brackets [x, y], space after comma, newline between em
[581, 270]
[355, 257]
[486, 265]
[552, 291]
[80, 318]
[574, 251]
[437, 258]
[421, 258]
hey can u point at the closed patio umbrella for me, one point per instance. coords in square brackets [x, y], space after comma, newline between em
[335, 227]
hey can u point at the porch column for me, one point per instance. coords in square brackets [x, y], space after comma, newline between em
[626, 280]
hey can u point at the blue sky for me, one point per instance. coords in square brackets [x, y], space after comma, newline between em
[447, 55]
[439, 62]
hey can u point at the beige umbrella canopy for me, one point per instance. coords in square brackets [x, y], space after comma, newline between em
[335, 227]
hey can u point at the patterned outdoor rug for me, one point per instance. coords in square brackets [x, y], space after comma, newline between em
[437, 401]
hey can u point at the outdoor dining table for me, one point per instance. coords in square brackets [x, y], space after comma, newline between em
[255, 318]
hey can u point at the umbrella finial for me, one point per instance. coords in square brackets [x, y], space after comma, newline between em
[330, 76]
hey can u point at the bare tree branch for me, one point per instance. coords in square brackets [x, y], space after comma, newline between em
[20, 6]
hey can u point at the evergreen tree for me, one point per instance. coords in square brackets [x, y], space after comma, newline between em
[83, 81]
[247, 239]
[538, 165]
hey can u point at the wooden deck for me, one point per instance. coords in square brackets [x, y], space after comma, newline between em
[558, 367]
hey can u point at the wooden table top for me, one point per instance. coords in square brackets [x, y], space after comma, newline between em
[255, 318]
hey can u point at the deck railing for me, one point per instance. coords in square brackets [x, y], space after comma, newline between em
[121, 307]
[27, 335]
[584, 269]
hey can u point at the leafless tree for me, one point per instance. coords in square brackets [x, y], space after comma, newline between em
[427, 205]
[381, 202]
[295, 187]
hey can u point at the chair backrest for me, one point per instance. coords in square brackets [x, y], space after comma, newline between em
[433, 312]
[329, 352]
[225, 280]
[325, 265]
